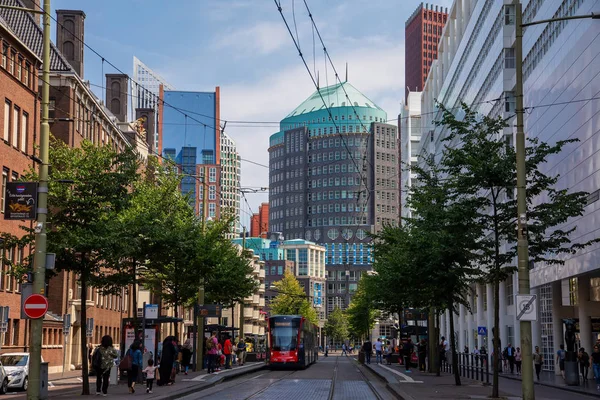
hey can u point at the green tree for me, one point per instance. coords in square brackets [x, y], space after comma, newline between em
[483, 167]
[81, 213]
[361, 313]
[336, 326]
[291, 299]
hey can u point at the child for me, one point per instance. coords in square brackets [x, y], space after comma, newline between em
[149, 371]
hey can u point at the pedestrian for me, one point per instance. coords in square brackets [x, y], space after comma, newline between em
[211, 351]
[510, 355]
[476, 355]
[443, 349]
[560, 359]
[596, 365]
[408, 351]
[166, 362]
[149, 371]
[135, 353]
[584, 363]
[227, 351]
[518, 360]
[367, 349]
[483, 356]
[241, 351]
[422, 352]
[186, 355]
[103, 360]
[344, 350]
[378, 351]
[466, 350]
[538, 360]
[326, 350]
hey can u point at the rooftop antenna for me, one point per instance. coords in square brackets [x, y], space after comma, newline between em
[346, 73]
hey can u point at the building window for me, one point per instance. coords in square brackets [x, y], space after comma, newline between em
[4, 54]
[20, 68]
[6, 133]
[509, 58]
[212, 192]
[24, 125]
[27, 77]
[509, 285]
[212, 210]
[484, 298]
[11, 63]
[15, 128]
[212, 174]
[573, 287]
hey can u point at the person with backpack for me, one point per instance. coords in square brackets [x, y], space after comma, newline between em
[241, 351]
[132, 363]
[211, 351]
[186, 355]
[103, 359]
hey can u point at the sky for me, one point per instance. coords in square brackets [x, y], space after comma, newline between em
[243, 47]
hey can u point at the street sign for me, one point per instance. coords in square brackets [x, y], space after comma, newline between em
[66, 324]
[35, 306]
[210, 310]
[26, 291]
[89, 327]
[482, 331]
[151, 311]
[21, 200]
[526, 307]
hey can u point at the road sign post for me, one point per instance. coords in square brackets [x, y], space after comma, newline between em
[35, 306]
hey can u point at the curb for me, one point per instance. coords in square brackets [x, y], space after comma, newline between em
[391, 386]
[563, 388]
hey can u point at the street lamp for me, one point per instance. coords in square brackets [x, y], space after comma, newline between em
[522, 242]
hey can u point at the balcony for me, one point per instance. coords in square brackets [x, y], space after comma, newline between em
[256, 299]
[247, 329]
[261, 303]
[256, 330]
[248, 312]
[261, 288]
[255, 314]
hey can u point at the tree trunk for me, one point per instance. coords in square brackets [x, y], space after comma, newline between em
[85, 384]
[453, 347]
[438, 365]
[432, 341]
[176, 326]
[134, 301]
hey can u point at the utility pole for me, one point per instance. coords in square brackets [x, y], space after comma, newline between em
[39, 272]
[242, 303]
[522, 241]
[200, 332]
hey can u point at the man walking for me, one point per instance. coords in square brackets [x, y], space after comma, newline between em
[227, 350]
[344, 353]
[408, 351]
[560, 359]
[367, 349]
[510, 354]
[378, 352]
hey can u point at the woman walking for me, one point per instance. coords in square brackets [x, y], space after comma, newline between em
[167, 359]
[596, 365]
[103, 360]
[518, 360]
[186, 355]
[584, 363]
[136, 364]
[538, 360]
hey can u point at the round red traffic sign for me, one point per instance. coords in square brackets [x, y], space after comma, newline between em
[35, 306]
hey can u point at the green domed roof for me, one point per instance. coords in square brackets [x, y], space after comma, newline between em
[334, 96]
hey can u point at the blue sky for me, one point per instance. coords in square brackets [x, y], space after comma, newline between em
[243, 47]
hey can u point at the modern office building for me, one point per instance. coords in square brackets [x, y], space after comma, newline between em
[422, 32]
[410, 137]
[305, 259]
[145, 89]
[206, 155]
[334, 179]
[475, 64]
[259, 222]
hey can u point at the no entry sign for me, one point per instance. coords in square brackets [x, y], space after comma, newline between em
[35, 306]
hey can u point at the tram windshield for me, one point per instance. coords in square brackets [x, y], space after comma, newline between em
[284, 334]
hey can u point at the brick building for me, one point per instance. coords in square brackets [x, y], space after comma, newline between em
[421, 37]
[259, 222]
[76, 114]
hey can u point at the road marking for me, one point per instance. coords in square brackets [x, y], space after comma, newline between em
[50, 384]
[407, 379]
[80, 380]
[258, 376]
[201, 378]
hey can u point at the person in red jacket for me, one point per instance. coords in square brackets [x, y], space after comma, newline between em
[227, 350]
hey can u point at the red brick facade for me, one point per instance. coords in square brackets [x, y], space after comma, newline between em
[259, 223]
[422, 35]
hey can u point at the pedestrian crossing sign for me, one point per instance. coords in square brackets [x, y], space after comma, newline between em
[482, 331]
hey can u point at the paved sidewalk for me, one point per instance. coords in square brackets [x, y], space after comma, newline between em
[550, 379]
[184, 385]
[417, 385]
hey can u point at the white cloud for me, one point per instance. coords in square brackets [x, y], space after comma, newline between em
[262, 38]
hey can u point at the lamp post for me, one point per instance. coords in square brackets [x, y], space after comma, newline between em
[522, 242]
[39, 266]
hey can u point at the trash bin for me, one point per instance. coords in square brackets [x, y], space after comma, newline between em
[43, 381]
[114, 375]
[361, 357]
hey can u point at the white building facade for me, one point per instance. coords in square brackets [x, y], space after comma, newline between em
[561, 62]
[410, 137]
[231, 178]
[145, 88]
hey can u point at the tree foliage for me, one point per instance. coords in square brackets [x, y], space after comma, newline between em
[480, 163]
[361, 312]
[291, 299]
[336, 326]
